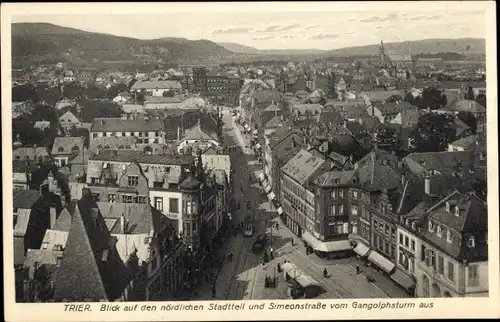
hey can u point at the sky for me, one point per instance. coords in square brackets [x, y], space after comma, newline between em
[280, 28]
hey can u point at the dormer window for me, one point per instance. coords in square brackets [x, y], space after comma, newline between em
[471, 243]
[457, 211]
[447, 206]
[413, 225]
[439, 231]
[407, 222]
[431, 227]
[61, 149]
[449, 236]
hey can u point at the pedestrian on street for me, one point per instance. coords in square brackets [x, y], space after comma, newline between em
[277, 226]
[293, 244]
[357, 269]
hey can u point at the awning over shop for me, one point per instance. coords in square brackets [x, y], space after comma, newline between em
[280, 211]
[258, 146]
[403, 279]
[261, 176]
[381, 261]
[271, 196]
[255, 132]
[318, 245]
[267, 188]
[288, 267]
[361, 249]
[306, 281]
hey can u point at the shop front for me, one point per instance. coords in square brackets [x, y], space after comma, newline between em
[330, 249]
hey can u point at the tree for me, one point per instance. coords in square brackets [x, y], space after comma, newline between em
[433, 132]
[469, 119]
[168, 93]
[73, 90]
[431, 98]
[358, 65]
[23, 93]
[388, 138]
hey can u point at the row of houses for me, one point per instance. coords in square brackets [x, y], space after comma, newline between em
[387, 209]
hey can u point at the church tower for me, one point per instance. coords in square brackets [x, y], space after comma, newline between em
[382, 54]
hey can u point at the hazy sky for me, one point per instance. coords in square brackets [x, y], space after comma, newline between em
[329, 28]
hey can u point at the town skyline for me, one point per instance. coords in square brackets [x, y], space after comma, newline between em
[281, 30]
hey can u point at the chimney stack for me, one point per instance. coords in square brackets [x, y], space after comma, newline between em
[427, 184]
[53, 217]
[122, 223]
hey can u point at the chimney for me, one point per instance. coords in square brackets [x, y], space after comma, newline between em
[178, 133]
[53, 217]
[427, 184]
[345, 124]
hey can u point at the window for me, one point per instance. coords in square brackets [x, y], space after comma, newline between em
[354, 227]
[422, 253]
[111, 197]
[393, 233]
[449, 236]
[334, 194]
[471, 242]
[451, 271]
[128, 199]
[413, 245]
[173, 205]
[407, 242]
[94, 180]
[354, 210]
[439, 231]
[386, 230]
[157, 184]
[401, 238]
[447, 207]
[354, 194]
[159, 203]
[472, 276]
[441, 265]
[457, 211]
[133, 181]
[431, 227]
[195, 228]
[333, 210]
[375, 224]
[96, 197]
[432, 260]
[341, 210]
[341, 194]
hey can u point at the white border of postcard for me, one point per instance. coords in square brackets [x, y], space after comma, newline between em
[442, 308]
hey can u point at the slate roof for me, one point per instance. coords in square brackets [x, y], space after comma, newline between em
[18, 250]
[466, 106]
[373, 174]
[472, 220]
[381, 95]
[198, 132]
[112, 143]
[21, 166]
[334, 178]
[42, 257]
[66, 144]
[32, 153]
[302, 166]
[443, 162]
[187, 120]
[63, 222]
[84, 274]
[120, 125]
[25, 199]
[302, 108]
[141, 157]
[138, 217]
[466, 142]
[331, 117]
[68, 117]
[156, 84]
[395, 108]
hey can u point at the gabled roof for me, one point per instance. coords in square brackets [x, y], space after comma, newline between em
[63, 222]
[180, 122]
[138, 217]
[395, 107]
[334, 178]
[66, 144]
[302, 166]
[466, 106]
[466, 142]
[376, 172]
[120, 125]
[165, 84]
[25, 199]
[443, 162]
[32, 153]
[86, 273]
[198, 132]
[68, 117]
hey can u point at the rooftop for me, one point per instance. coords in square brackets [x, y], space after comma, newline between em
[25, 199]
[129, 156]
[67, 145]
[159, 84]
[302, 166]
[121, 125]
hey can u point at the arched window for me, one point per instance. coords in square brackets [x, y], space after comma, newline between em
[436, 290]
[75, 149]
[61, 149]
[425, 286]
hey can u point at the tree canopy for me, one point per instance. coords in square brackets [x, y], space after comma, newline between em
[91, 109]
[431, 97]
[433, 132]
[469, 119]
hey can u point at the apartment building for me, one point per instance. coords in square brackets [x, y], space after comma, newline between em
[145, 130]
